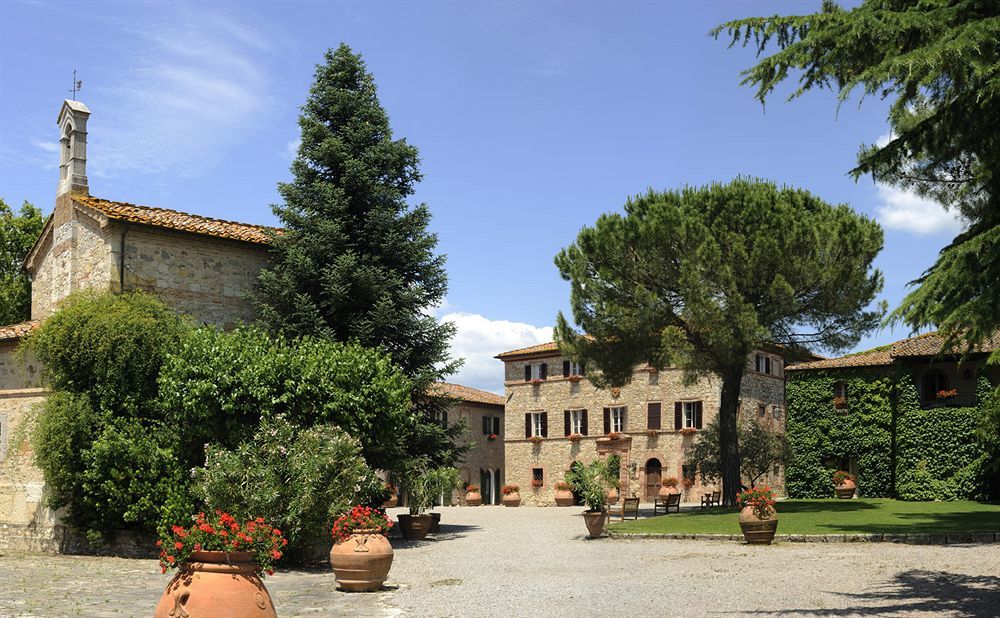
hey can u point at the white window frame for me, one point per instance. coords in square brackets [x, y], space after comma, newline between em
[576, 421]
[574, 368]
[617, 419]
[688, 412]
[777, 412]
[536, 424]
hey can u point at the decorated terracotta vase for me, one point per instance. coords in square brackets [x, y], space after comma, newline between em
[666, 491]
[473, 498]
[512, 499]
[362, 562]
[564, 497]
[758, 531]
[216, 583]
[613, 496]
[845, 491]
[595, 520]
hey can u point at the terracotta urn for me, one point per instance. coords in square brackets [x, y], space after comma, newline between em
[362, 562]
[757, 531]
[666, 491]
[613, 496]
[473, 498]
[564, 497]
[216, 583]
[845, 491]
[414, 527]
[512, 499]
[595, 520]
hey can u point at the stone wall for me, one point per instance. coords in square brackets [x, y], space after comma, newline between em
[648, 450]
[206, 278]
[485, 454]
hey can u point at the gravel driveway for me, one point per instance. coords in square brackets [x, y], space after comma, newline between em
[492, 561]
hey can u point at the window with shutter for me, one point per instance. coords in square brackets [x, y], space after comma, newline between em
[565, 368]
[545, 424]
[607, 420]
[527, 424]
[698, 414]
[566, 422]
[653, 416]
[496, 425]
[583, 422]
[486, 425]
[543, 371]
[678, 416]
[617, 419]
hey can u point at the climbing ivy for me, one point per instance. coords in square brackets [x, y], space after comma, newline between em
[937, 454]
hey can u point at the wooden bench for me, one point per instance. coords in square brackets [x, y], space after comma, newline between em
[672, 501]
[711, 499]
[629, 506]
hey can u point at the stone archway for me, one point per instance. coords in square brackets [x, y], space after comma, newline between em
[653, 473]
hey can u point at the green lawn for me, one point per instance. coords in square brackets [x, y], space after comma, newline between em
[874, 516]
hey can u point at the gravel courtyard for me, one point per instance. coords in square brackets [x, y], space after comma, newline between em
[491, 561]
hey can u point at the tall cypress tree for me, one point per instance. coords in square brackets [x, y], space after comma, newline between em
[355, 261]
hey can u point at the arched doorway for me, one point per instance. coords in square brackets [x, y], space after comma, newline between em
[654, 472]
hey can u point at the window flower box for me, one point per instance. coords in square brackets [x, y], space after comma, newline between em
[840, 403]
[614, 435]
[536, 439]
[537, 381]
[492, 437]
[537, 483]
[947, 394]
[574, 378]
[688, 431]
[652, 433]
[575, 437]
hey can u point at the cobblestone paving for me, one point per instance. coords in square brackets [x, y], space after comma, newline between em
[491, 561]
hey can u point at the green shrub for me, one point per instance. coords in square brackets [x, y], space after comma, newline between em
[218, 385]
[590, 482]
[299, 480]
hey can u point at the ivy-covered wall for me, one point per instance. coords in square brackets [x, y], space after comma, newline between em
[900, 449]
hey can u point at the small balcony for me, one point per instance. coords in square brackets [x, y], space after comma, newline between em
[961, 399]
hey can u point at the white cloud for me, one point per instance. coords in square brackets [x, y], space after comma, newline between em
[478, 339]
[46, 146]
[197, 87]
[908, 212]
[292, 149]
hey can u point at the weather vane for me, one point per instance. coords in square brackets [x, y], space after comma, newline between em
[77, 85]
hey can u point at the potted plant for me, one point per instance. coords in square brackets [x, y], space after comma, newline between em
[393, 497]
[361, 556]
[947, 394]
[844, 484]
[688, 431]
[564, 494]
[492, 437]
[221, 562]
[472, 495]
[590, 481]
[840, 403]
[614, 464]
[758, 519]
[575, 437]
[442, 482]
[668, 486]
[511, 497]
[419, 498]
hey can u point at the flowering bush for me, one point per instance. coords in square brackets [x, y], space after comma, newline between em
[222, 532]
[840, 476]
[562, 486]
[947, 394]
[510, 489]
[491, 437]
[360, 518]
[760, 498]
[670, 481]
[470, 488]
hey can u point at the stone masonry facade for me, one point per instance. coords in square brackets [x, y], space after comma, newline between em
[656, 413]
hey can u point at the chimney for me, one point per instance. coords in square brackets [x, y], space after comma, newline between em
[73, 146]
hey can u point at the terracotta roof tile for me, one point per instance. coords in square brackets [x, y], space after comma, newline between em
[16, 331]
[551, 346]
[929, 344]
[466, 393]
[172, 219]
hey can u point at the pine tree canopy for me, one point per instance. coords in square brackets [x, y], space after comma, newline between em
[702, 277]
[355, 261]
[18, 233]
[938, 62]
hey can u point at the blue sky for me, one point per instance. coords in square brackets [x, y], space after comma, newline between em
[531, 118]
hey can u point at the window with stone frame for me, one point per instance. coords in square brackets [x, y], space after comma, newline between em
[491, 425]
[539, 424]
[577, 422]
[761, 410]
[688, 415]
[617, 419]
[762, 363]
[572, 368]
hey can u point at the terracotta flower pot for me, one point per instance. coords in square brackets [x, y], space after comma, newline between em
[845, 491]
[435, 522]
[512, 499]
[391, 502]
[473, 498]
[216, 583]
[666, 491]
[595, 521]
[757, 531]
[612, 496]
[564, 497]
[362, 562]
[414, 527]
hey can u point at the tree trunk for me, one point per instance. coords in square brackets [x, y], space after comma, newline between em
[729, 457]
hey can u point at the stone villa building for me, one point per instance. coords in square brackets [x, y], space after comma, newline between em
[555, 416]
[198, 265]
